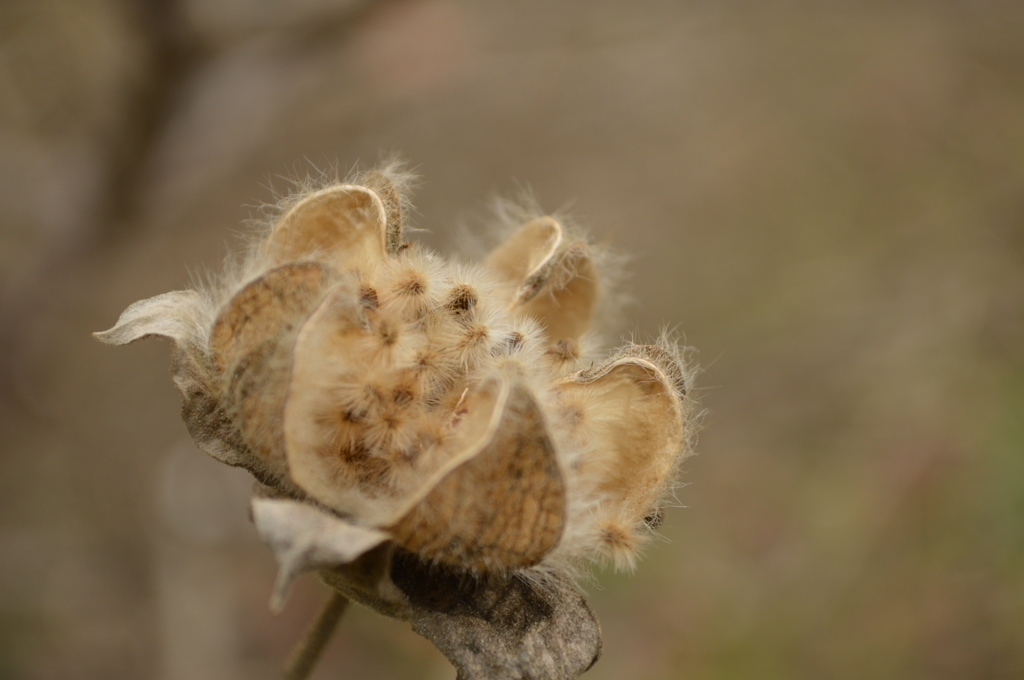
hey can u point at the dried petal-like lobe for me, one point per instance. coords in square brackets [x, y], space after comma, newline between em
[631, 410]
[261, 310]
[526, 259]
[171, 315]
[500, 503]
[382, 185]
[565, 303]
[554, 283]
[343, 225]
[322, 363]
[304, 538]
[251, 346]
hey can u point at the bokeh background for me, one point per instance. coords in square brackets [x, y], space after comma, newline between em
[825, 199]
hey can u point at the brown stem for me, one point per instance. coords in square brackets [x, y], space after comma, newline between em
[309, 648]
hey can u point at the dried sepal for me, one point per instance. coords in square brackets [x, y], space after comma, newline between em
[206, 420]
[170, 315]
[342, 226]
[499, 504]
[490, 627]
[367, 581]
[177, 316]
[305, 538]
[497, 627]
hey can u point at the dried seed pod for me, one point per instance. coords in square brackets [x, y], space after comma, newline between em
[427, 418]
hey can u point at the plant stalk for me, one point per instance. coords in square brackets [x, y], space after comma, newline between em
[309, 648]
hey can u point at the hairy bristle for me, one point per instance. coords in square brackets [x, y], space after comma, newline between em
[619, 543]
[564, 351]
[368, 297]
[461, 299]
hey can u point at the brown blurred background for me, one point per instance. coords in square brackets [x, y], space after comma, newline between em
[827, 198]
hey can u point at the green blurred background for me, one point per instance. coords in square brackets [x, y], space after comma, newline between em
[826, 198]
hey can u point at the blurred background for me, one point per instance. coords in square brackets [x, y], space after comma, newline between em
[826, 199]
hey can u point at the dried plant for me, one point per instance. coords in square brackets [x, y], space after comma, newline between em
[437, 440]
